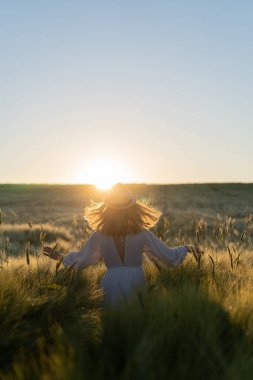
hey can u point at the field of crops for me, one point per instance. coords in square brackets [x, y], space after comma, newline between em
[192, 322]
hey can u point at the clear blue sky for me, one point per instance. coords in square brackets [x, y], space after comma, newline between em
[164, 88]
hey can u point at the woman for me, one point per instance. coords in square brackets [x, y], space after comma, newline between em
[121, 238]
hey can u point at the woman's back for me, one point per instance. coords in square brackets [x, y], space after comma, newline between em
[123, 277]
[110, 250]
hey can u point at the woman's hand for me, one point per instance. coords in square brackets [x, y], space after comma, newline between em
[52, 253]
[196, 251]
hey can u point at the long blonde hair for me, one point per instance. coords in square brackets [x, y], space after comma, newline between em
[114, 222]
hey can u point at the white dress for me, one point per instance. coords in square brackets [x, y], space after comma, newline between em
[122, 279]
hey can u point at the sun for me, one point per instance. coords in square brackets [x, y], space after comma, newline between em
[104, 173]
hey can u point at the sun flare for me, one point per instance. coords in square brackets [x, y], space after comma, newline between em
[104, 173]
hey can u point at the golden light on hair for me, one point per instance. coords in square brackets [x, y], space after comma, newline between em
[121, 221]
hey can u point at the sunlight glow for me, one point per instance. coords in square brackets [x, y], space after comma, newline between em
[103, 173]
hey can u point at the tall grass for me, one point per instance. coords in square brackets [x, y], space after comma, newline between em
[191, 322]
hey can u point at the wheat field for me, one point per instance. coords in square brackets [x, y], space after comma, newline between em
[192, 322]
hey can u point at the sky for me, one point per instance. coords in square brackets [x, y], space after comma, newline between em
[130, 91]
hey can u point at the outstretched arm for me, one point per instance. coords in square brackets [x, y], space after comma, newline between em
[88, 255]
[155, 248]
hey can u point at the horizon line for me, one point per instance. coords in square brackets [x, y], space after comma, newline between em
[126, 183]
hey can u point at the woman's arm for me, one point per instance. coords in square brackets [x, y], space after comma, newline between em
[155, 248]
[88, 255]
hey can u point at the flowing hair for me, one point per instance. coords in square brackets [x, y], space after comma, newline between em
[114, 222]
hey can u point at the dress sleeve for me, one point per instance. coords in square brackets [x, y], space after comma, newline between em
[88, 255]
[155, 248]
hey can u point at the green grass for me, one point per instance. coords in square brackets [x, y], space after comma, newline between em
[192, 322]
[189, 323]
